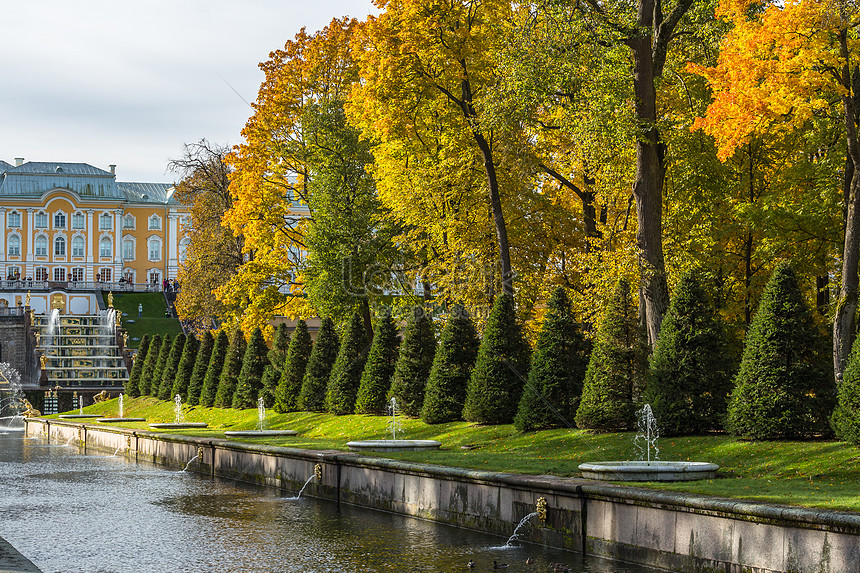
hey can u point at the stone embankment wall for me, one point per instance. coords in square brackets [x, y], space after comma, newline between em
[666, 530]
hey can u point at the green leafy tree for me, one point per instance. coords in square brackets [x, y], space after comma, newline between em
[132, 387]
[315, 383]
[691, 368]
[784, 387]
[346, 373]
[616, 369]
[149, 365]
[201, 364]
[254, 363]
[846, 416]
[290, 383]
[185, 368]
[230, 373]
[551, 396]
[213, 370]
[501, 368]
[171, 367]
[158, 371]
[376, 378]
[414, 362]
[449, 376]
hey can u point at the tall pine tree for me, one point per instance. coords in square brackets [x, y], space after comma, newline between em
[784, 387]
[452, 366]
[168, 375]
[315, 383]
[376, 378]
[290, 383]
[551, 396]
[273, 371]
[617, 367]
[213, 370]
[250, 381]
[346, 373]
[414, 362]
[152, 354]
[230, 373]
[132, 387]
[201, 364]
[690, 378]
[185, 368]
[158, 371]
[501, 368]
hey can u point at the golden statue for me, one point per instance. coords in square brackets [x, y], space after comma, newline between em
[43, 360]
[29, 410]
[27, 299]
[110, 299]
[38, 337]
[118, 319]
[101, 397]
[58, 302]
[125, 339]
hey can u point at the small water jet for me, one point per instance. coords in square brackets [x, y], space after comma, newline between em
[394, 444]
[198, 456]
[648, 469]
[261, 430]
[121, 418]
[178, 418]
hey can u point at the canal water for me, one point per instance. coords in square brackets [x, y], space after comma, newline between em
[70, 512]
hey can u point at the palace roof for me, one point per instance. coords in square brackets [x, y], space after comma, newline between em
[35, 178]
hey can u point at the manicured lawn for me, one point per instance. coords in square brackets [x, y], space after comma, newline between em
[152, 321]
[822, 474]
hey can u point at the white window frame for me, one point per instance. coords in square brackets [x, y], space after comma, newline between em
[57, 277]
[57, 215]
[81, 273]
[60, 239]
[14, 220]
[44, 277]
[83, 244]
[40, 245]
[149, 250]
[128, 221]
[13, 248]
[43, 224]
[105, 242]
[129, 246]
[154, 223]
[105, 221]
[78, 216]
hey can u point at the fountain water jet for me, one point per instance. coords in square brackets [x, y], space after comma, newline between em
[179, 418]
[121, 418]
[393, 445]
[198, 456]
[261, 425]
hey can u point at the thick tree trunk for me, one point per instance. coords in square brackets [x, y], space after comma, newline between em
[498, 215]
[648, 185]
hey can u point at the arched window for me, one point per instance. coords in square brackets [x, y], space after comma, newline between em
[14, 246]
[105, 222]
[41, 221]
[41, 245]
[128, 249]
[155, 223]
[128, 222]
[59, 220]
[78, 221]
[105, 247]
[154, 248]
[60, 248]
[14, 219]
[77, 246]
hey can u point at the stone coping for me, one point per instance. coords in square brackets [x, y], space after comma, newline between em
[78, 416]
[812, 518]
[116, 420]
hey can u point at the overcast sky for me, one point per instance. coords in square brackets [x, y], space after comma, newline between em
[104, 82]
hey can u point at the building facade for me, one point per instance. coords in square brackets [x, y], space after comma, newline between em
[75, 225]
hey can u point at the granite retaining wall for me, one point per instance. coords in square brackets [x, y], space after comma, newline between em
[672, 531]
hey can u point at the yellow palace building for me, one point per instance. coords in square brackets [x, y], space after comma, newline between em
[74, 227]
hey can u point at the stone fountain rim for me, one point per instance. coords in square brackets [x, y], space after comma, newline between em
[393, 445]
[117, 420]
[78, 416]
[258, 433]
[177, 425]
[657, 470]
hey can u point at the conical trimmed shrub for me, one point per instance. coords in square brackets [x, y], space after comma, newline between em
[168, 376]
[690, 378]
[315, 383]
[213, 370]
[230, 373]
[452, 366]
[201, 364]
[132, 387]
[784, 388]
[290, 382]
[617, 366]
[280, 346]
[846, 416]
[185, 368]
[160, 365]
[152, 355]
[551, 396]
[346, 373]
[250, 380]
[376, 378]
[502, 366]
[414, 362]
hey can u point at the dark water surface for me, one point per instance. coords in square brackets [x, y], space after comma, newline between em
[94, 513]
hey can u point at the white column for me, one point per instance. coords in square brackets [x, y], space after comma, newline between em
[172, 245]
[117, 260]
[30, 223]
[89, 274]
[3, 215]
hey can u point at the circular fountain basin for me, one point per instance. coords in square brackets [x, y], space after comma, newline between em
[393, 445]
[78, 416]
[117, 420]
[177, 425]
[259, 433]
[649, 471]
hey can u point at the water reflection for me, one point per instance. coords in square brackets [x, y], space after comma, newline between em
[70, 512]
